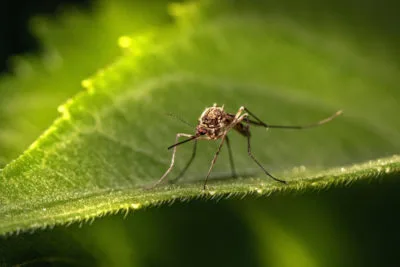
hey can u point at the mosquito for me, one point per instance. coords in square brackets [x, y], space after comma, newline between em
[214, 123]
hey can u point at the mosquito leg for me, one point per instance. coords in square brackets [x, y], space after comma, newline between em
[239, 113]
[228, 144]
[172, 160]
[258, 163]
[259, 122]
[187, 164]
[213, 161]
[255, 117]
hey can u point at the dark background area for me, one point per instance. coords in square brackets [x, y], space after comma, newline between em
[14, 24]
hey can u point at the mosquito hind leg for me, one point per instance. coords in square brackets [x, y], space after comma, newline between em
[255, 117]
[259, 122]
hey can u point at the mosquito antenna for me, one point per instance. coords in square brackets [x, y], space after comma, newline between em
[182, 142]
[298, 127]
[179, 119]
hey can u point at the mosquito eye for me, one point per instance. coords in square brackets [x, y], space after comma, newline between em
[202, 131]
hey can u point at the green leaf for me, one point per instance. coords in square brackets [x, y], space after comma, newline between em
[111, 140]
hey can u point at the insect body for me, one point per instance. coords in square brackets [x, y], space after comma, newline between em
[214, 123]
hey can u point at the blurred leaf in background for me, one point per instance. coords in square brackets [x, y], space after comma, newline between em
[287, 61]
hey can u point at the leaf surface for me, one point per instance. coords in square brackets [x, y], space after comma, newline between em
[111, 140]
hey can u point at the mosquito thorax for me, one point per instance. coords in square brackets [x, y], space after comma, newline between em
[212, 117]
[213, 122]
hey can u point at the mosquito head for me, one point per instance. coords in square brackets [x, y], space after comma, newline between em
[200, 131]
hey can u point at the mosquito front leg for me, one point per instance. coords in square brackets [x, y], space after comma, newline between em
[172, 159]
[187, 164]
[214, 160]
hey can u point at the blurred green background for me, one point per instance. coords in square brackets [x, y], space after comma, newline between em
[353, 226]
